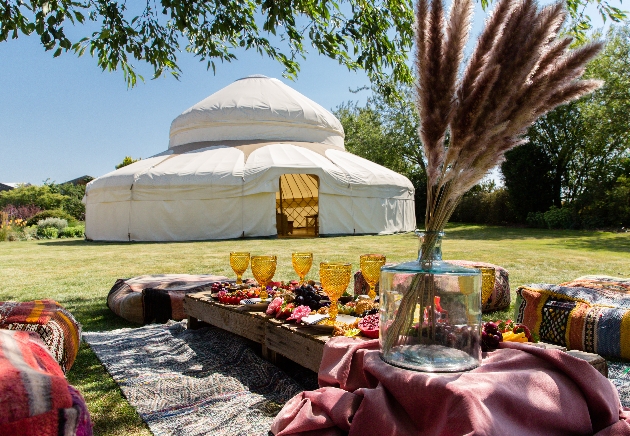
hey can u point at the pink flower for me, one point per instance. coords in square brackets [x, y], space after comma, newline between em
[273, 306]
[299, 313]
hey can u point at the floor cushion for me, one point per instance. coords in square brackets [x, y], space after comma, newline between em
[57, 328]
[591, 314]
[497, 298]
[156, 298]
[35, 398]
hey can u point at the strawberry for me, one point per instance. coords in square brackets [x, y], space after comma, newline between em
[285, 310]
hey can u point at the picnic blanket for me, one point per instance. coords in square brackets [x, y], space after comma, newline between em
[591, 314]
[35, 398]
[518, 389]
[59, 330]
[156, 298]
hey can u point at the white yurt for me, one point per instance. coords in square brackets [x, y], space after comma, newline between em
[256, 158]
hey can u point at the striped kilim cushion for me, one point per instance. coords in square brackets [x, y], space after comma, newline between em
[35, 397]
[57, 328]
[590, 314]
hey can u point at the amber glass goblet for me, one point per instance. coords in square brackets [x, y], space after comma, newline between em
[263, 268]
[239, 263]
[487, 283]
[302, 263]
[371, 269]
[335, 278]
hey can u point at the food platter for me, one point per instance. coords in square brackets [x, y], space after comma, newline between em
[254, 304]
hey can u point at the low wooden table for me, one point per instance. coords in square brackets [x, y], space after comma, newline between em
[303, 345]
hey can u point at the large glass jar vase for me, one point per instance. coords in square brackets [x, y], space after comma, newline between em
[430, 316]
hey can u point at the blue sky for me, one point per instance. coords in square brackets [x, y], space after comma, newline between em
[61, 118]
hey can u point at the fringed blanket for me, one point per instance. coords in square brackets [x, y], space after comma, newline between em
[156, 298]
[35, 398]
[55, 326]
[518, 390]
[590, 314]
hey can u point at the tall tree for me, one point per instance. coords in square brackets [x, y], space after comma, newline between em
[385, 131]
[580, 150]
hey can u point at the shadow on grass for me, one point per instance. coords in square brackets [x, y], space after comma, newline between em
[579, 239]
[109, 411]
[84, 242]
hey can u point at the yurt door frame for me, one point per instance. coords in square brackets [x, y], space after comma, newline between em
[297, 205]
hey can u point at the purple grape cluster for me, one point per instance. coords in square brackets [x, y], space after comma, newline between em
[490, 336]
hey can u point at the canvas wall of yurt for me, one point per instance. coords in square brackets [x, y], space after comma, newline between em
[255, 159]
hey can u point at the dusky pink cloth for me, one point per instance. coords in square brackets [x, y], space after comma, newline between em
[518, 390]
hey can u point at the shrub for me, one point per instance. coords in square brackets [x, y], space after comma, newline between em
[72, 232]
[40, 196]
[560, 218]
[21, 212]
[55, 213]
[47, 233]
[57, 223]
[536, 219]
[485, 205]
[74, 207]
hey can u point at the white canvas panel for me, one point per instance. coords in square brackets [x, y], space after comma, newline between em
[256, 107]
[261, 130]
[126, 175]
[265, 165]
[383, 215]
[191, 220]
[259, 215]
[370, 179]
[107, 221]
[185, 220]
[107, 195]
[210, 166]
[335, 215]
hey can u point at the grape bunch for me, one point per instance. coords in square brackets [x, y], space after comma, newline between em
[369, 312]
[490, 336]
[306, 295]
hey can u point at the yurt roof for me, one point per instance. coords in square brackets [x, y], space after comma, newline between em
[256, 108]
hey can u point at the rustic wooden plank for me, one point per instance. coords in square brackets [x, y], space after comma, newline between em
[225, 317]
[302, 349]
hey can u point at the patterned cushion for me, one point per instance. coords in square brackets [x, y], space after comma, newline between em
[590, 313]
[498, 297]
[55, 325]
[157, 298]
[35, 396]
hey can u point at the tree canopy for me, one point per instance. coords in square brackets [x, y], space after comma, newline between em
[373, 35]
[579, 154]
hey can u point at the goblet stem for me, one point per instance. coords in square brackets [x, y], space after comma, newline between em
[372, 291]
[238, 279]
[332, 311]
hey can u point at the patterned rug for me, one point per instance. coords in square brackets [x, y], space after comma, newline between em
[197, 382]
[619, 375]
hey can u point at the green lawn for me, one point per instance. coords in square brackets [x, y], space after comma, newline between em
[79, 275]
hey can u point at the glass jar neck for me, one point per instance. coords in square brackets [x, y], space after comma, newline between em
[429, 247]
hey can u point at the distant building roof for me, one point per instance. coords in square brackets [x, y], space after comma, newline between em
[83, 180]
[4, 186]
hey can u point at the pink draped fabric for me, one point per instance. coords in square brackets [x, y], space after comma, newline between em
[518, 390]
